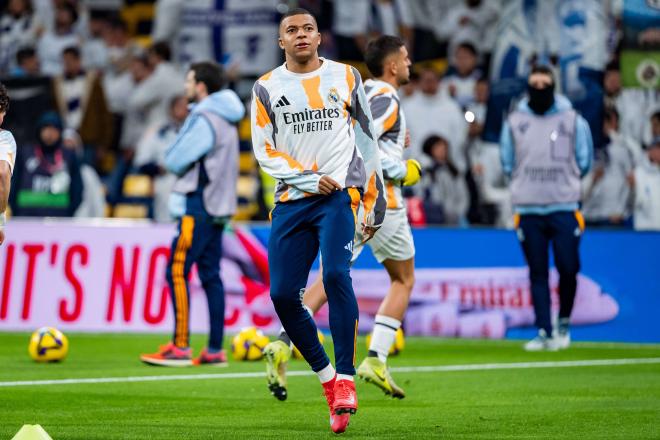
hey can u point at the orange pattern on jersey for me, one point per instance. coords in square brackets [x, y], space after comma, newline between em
[311, 86]
[370, 196]
[355, 201]
[391, 197]
[350, 80]
[262, 114]
[271, 152]
[285, 196]
[391, 119]
[266, 76]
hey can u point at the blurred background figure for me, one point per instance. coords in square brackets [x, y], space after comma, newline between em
[606, 191]
[442, 187]
[150, 156]
[81, 101]
[92, 204]
[27, 64]
[19, 28]
[53, 42]
[428, 111]
[647, 189]
[47, 175]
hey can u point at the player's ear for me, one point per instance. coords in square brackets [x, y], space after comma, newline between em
[280, 42]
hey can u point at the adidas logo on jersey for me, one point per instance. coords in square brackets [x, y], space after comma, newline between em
[349, 247]
[282, 102]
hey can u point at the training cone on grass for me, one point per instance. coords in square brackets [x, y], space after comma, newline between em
[32, 432]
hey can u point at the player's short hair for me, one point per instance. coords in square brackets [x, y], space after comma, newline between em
[378, 50]
[297, 11]
[162, 50]
[72, 50]
[210, 73]
[24, 54]
[656, 115]
[543, 69]
[4, 99]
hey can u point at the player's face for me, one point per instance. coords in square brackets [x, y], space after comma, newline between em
[299, 37]
[2, 117]
[402, 66]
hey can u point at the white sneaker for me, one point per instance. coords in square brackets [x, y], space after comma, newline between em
[562, 339]
[541, 343]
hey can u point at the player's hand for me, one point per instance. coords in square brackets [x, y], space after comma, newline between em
[413, 172]
[327, 185]
[2, 236]
[368, 232]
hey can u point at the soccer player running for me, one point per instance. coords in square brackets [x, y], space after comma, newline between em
[388, 61]
[7, 158]
[312, 131]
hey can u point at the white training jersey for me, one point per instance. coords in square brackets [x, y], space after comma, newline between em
[7, 148]
[390, 130]
[230, 31]
[313, 124]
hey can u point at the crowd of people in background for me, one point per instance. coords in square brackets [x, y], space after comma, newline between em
[97, 97]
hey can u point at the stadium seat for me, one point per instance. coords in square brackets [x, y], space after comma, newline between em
[246, 163]
[131, 210]
[137, 185]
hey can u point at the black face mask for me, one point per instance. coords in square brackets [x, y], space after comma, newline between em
[540, 100]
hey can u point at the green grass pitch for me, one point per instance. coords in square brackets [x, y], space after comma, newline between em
[582, 402]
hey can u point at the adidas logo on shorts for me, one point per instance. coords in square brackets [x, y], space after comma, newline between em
[349, 247]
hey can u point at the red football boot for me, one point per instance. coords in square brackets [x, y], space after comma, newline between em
[345, 397]
[338, 422]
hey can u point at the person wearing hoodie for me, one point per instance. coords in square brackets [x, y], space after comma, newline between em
[646, 180]
[546, 148]
[46, 176]
[204, 156]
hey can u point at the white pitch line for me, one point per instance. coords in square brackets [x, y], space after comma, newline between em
[420, 369]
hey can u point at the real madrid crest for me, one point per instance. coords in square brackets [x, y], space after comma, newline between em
[333, 95]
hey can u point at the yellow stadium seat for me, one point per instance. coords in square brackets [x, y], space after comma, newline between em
[245, 129]
[137, 185]
[247, 187]
[246, 212]
[131, 210]
[246, 163]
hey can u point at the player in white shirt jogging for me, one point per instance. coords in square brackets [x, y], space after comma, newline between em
[313, 132]
[387, 59]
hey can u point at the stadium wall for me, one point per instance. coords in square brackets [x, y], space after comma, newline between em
[108, 276]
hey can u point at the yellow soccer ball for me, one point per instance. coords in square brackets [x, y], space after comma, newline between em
[398, 345]
[247, 345]
[48, 344]
[296, 352]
